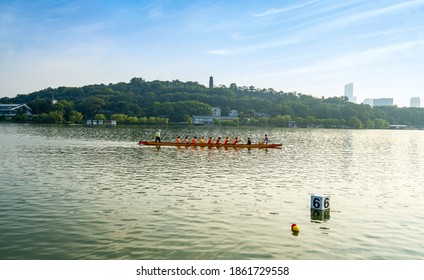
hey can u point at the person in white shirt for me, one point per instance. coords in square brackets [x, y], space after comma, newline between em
[157, 136]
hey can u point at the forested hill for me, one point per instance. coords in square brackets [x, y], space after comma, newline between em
[177, 101]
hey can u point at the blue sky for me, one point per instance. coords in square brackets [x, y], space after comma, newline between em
[312, 47]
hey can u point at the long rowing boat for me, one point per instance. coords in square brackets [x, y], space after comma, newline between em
[257, 146]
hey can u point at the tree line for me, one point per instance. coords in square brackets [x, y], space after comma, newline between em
[163, 102]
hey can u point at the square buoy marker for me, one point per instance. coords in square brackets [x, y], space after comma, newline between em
[320, 202]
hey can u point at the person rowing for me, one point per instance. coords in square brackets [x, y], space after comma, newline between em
[218, 141]
[202, 140]
[266, 139]
[235, 141]
[194, 140]
[210, 141]
[226, 141]
[186, 140]
[178, 139]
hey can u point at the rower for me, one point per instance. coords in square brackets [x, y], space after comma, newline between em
[178, 139]
[235, 141]
[194, 140]
[226, 141]
[218, 141]
[186, 141]
[266, 139]
[210, 141]
[202, 140]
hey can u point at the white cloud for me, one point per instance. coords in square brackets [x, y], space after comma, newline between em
[374, 14]
[274, 11]
[253, 47]
[92, 27]
[350, 60]
[219, 52]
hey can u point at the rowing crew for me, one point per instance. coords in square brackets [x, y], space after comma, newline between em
[209, 141]
[226, 141]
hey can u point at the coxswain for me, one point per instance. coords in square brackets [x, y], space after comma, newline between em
[249, 142]
[178, 139]
[210, 141]
[194, 140]
[226, 141]
[218, 141]
[157, 136]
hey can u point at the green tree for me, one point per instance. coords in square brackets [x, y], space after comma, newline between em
[280, 121]
[142, 120]
[381, 123]
[64, 106]
[119, 118]
[369, 124]
[355, 122]
[40, 106]
[21, 118]
[132, 120]
[175, 100]
[100, 117]
[91, 105]
[263, 121]
[76, 117]
[51, 117]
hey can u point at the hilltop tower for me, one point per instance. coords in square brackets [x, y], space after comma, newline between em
[210, 82]
[54, 101]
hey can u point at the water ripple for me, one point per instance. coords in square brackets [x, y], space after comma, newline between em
[92, 193]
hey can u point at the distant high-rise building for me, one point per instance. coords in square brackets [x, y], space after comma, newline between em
[369, 101]
[383, 102]
[348, 92]
[210, 82]
[415, 102]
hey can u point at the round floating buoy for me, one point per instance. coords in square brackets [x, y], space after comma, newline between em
[295, 228]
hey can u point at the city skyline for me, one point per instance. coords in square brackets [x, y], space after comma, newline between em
[311, 47]
[384, 101]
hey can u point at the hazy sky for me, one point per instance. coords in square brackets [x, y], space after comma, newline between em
[312, 47]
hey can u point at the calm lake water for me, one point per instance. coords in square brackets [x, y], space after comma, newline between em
[93, 193]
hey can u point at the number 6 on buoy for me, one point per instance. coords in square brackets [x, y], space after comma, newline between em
[320, 202]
